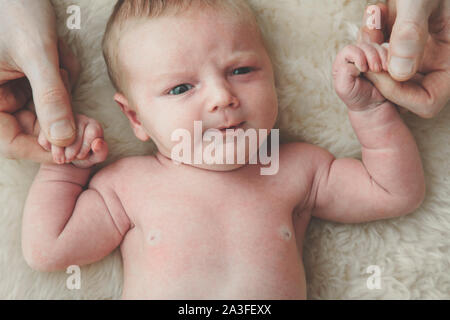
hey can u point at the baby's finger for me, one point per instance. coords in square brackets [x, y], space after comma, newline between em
[92, 131]
[74, 150]
[99, 151]
[349, 61]
[43, 142]
[99, 154]
[356, 56]
[58, 154]
[372, 56]
[383, 54]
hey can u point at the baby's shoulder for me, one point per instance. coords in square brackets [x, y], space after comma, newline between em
[128, 168]
[301, 152]
[304, 159]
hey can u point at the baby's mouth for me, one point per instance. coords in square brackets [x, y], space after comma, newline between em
[233, 127]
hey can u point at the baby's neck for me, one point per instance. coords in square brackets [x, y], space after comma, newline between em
[166, 161]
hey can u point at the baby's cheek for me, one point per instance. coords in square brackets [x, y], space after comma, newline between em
[263, 106]
[172, 134]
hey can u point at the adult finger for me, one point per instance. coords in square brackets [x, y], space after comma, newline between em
[69, 62]
[15, 144]
[409, 37]
[27, 121]
[424, 98]
[26, 147]
[374, 22]
[52, 101]
[14, 95]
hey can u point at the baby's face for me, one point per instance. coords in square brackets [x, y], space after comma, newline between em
[199, 66]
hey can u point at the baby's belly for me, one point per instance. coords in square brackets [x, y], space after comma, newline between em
[200, 256]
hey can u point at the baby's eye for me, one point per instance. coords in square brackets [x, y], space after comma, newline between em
[180, 89]
[243, 70]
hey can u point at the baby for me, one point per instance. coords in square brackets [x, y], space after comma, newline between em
[212, 231]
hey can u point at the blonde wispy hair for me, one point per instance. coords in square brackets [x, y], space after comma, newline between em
[126, 10]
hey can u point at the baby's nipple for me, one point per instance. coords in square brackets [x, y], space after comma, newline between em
[154, 237]
[285, 233]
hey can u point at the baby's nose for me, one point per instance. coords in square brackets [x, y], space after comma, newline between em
[222, 97]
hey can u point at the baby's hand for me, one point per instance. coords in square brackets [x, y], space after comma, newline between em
[353, 88]
[88, 149]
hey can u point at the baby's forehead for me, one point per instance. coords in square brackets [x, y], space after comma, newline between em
[172, 38]
[196, 22]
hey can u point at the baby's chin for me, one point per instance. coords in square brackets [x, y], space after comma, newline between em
[221, 150]
[208, 158]
[218, 167]
[206, 166]
[209, 161]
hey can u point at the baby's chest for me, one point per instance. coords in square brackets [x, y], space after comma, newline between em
[208, 208]
[215, 217]
[213, 230]
[210, 238]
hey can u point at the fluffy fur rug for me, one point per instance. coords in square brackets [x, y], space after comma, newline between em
[413, 253]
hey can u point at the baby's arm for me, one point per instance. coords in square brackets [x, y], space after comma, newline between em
[389, 181]
[63, 224]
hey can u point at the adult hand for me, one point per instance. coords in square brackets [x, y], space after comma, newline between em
[30, 58]
[418, 32]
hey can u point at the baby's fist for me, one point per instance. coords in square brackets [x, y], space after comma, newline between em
[352, 87]
[98, 154]
[88, 149]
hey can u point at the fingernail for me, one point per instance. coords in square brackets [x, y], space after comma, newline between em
[401, 67]
[61, 130]
[97, 146]
[61, 161]
[70, 157]
[377, 67]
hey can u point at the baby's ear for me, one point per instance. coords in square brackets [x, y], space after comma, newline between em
[137, 126]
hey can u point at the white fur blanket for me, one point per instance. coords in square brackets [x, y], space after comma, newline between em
[412, 253]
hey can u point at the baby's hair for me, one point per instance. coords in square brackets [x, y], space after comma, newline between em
[126, 10]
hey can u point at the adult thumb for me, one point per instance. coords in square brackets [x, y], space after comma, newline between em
[51, 98]
[409, 37]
